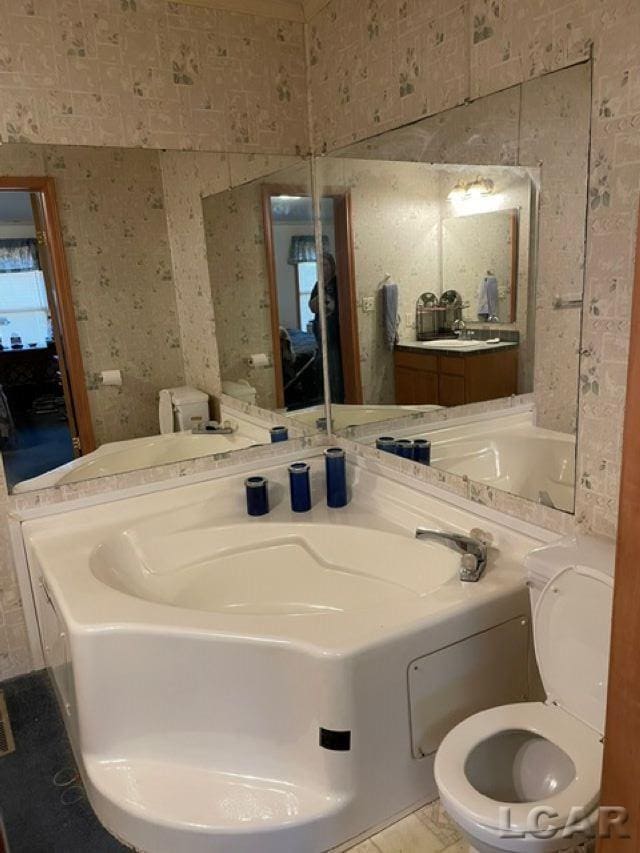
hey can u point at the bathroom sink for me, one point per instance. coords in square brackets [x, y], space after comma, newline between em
[272, 569]
[454, 343]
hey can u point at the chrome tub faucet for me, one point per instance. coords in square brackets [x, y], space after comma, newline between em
[472, 549]
[214, 428]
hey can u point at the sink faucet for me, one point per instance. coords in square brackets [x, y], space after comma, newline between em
[460, 329]
[214, 428]
[473, 549]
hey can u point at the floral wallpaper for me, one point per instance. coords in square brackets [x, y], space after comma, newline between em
[152, 74]
[116, 243]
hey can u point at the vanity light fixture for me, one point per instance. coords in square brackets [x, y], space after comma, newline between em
[471, 189]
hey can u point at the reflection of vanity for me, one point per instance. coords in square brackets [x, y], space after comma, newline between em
[448, 374]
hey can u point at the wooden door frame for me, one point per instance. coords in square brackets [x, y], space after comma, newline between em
[349, 337]
[63, 306]
[347, 296]
[620, 775]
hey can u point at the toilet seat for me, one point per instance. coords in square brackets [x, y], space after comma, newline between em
[581, 744]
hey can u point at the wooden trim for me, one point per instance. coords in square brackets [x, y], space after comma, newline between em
[515, 257]
[63, 306]
[267, 193]
[347, 300]
[620, 778]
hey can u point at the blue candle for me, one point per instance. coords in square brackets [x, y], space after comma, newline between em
[336, 473]
[386, 443]
[279, 433]
[300, 487]
[257, 495]
[422, 451]
[404, 448]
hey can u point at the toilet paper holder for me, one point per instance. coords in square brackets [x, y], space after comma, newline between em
[111, 377]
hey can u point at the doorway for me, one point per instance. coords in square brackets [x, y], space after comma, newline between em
[44, 412]
[292, 268]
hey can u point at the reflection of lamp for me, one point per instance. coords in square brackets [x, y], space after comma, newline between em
[471, 189]
[303, 248]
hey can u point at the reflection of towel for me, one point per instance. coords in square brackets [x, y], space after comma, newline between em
[488, 296]
[390, 313]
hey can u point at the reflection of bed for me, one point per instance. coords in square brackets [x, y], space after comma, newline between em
[300, 366]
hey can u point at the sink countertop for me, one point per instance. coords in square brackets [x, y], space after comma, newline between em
[444, 346]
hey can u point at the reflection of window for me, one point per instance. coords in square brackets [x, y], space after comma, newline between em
[24, 309]
[306, 283]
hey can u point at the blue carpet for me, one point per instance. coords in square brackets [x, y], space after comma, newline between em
[42, 800]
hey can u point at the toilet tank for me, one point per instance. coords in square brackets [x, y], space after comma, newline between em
[182, 409]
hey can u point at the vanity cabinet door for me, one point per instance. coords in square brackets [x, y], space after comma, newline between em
[416, 377]
[416, 386]
[452, 390]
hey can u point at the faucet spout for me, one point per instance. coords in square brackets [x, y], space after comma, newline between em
[472, 549]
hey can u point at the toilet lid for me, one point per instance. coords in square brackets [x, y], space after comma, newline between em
[572, 624]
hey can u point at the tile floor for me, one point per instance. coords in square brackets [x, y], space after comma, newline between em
[45, 809]
[429, 830]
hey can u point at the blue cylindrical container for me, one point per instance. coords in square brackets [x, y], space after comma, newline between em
[404, 448]
[422, 451]
[299, 487]
[335, 463]
[386, 443]
[257, 495]
[279, 433]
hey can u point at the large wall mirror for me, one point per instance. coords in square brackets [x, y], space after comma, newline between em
[455, 285]
[263, 271]
[118, 320]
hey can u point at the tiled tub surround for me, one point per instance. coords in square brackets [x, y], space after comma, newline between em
[341, 664]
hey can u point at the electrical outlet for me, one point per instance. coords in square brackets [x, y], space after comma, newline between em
[368, 304]
[409, 320]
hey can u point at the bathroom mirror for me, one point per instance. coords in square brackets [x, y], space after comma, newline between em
[111, 329]
[458, 306]
[262, 265]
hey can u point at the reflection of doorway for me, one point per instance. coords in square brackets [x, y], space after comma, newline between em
[44, 413]
[291, 261]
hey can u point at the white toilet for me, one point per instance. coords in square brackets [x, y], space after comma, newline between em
[499, 769]
[182, 409]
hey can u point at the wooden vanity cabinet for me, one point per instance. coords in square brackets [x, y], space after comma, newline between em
[453, 379]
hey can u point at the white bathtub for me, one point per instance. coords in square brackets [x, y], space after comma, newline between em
[346, 415]
[506, 451]
[116, 457]
[206, 662]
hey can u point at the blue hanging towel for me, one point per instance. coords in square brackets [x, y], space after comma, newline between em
[390, 313]
[488, 298]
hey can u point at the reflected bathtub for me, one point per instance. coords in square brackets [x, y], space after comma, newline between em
[345, 415]
[507, 452]
[116, 457]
